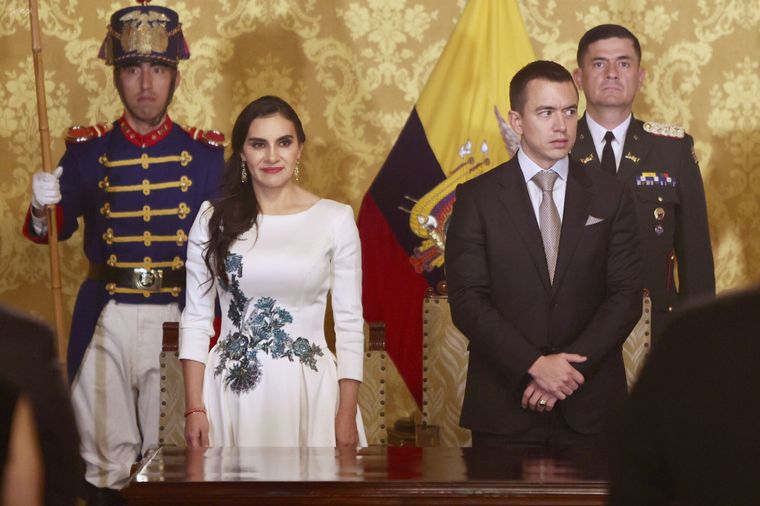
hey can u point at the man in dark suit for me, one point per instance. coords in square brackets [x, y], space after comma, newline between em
[545, 305]
[27, 358]
[657, 161]
[689, 434]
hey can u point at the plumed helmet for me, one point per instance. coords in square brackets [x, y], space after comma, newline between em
[144, 33]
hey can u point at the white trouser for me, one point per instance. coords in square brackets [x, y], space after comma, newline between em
[116, 393]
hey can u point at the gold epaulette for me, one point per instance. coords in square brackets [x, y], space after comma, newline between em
[664, 130]
[79, 134]
[213, 138]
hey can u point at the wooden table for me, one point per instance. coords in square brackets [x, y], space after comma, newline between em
[370, 476]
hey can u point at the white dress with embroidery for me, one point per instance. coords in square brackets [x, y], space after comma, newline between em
[270, 380]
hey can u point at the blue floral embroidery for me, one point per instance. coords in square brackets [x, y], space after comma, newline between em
[261, 331]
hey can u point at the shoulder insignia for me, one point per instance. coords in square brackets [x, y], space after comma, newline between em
[213, 138]
[79, 134]
[664, 130]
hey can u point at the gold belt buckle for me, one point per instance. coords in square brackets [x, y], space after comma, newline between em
[150, 280]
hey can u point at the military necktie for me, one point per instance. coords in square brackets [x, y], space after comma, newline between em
[608, 156]
[548, 218]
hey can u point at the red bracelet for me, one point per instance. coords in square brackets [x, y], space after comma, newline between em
[195, 410]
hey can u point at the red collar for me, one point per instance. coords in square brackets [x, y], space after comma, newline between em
[151, 138]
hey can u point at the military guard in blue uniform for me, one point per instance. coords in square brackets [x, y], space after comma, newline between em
[655, 160]
[138, 184]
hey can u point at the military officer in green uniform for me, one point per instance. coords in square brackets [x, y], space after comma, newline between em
[656, 160]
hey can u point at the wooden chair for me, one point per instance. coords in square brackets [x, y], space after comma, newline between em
[372, 392]
[639, 343]
[172, 397]
[444, 371]
[445, 359]
[171, 426]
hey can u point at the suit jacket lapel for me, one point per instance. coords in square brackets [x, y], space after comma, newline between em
[576, 211]
[635, 149]
[516, 203]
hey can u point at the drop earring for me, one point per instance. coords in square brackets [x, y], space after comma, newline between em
[243, 171]
[297, 170]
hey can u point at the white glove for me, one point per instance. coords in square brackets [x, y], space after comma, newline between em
[46, 188]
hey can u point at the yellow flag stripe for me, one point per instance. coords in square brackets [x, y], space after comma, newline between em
[488, 46]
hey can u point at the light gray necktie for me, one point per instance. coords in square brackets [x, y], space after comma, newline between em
[548, 218]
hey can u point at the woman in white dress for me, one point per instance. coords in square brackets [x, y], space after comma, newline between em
[271, 250]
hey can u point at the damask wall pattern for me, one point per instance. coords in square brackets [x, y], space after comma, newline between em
[354, 69]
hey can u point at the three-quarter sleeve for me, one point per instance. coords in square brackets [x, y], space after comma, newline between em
[197, 322]
[346, 289]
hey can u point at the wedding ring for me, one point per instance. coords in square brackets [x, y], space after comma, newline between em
[542, 402]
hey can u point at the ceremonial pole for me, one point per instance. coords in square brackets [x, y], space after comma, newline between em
[47, 166]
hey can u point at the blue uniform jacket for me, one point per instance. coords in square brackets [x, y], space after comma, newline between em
[138, 197]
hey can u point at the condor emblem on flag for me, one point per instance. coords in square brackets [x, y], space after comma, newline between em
[429, 218]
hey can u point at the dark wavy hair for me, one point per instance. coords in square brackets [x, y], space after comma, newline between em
[236, 208]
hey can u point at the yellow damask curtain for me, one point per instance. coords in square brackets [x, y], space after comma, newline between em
[354, 69]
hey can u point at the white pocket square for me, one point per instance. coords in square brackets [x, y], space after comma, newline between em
[593, 220]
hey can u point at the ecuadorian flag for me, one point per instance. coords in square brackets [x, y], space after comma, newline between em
[452, 135]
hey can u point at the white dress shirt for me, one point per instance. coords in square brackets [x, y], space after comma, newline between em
[530, 169]
[598, 132]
